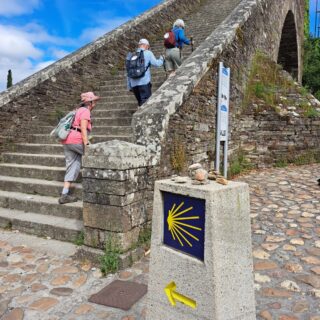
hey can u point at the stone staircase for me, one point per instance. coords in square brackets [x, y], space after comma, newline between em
[31, 175]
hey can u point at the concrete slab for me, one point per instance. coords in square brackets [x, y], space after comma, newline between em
[55, 247]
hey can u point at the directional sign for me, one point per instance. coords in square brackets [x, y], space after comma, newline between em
[223, 102]
[174, 296]
[184, 222]
[222, 117]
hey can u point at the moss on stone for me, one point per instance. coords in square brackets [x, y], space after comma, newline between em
[178, 155]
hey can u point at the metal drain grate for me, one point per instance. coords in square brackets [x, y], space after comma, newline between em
[120, 294]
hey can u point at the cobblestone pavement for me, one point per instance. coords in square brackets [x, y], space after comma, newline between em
[43, 285]
[285, 215]
[285, 212]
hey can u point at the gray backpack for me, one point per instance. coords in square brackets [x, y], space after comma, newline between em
[62, 130]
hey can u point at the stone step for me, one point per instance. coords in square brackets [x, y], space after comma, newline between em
[198, 35]
[112, 130]
[127, 98]
[187, 50]
[32, 171]
[40, 204]
[113, 113]
[41, 128]
[116, 106]
[157, 73]
[35, 159]
[38, 148]
[101, 138]
[97, 129]
[58, 228]
[120, 91]
[37, 186]
[43, 138]
[97, 121]
[122, 80]
[112, 121]
[113, 90]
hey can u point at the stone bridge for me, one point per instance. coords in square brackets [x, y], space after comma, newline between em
[134, 147]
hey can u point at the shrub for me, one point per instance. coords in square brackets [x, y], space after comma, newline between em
[109, 262]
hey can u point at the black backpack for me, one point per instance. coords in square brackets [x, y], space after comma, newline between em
[135, 65]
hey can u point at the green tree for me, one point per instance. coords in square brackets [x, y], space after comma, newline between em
[9, 79]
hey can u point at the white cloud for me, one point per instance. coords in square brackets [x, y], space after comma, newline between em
[16, 45]
[25, 51]
[18, 51]
[21, 68]
[10, 8]
[30, 48]
[34, 33]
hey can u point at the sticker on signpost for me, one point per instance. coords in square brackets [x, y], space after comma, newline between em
[184, 222]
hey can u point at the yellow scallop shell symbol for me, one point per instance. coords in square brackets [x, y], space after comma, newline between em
[181, 231]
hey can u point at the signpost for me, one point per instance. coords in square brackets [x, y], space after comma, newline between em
[222, 117]
[201, 255]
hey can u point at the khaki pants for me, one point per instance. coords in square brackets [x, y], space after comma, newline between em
[73, 155]
[173, 59]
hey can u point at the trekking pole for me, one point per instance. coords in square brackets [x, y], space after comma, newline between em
[164, 66]
[191, 39]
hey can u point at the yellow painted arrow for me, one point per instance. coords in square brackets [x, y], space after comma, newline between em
[173, 296]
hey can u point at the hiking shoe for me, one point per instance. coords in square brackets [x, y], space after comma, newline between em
[66, 198]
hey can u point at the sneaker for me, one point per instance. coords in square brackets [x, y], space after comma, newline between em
[66, 198]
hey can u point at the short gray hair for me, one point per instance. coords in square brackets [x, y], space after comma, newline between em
[179, 23]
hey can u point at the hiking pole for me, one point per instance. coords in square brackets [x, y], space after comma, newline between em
[191, 39]
[164, 66]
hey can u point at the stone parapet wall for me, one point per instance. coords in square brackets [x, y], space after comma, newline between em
[59, 85]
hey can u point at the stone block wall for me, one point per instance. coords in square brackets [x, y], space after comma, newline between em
[117, 198]
[59, 85]
[269, 138]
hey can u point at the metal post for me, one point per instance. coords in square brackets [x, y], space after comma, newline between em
[217, 163]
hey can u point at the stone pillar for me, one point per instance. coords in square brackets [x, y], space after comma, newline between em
[117, 200]
[201, 257]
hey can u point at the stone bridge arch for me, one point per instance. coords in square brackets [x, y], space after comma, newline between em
[288, 55]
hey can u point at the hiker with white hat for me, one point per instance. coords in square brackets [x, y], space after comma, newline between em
[138, 71]
[174, 41]
[76, 142]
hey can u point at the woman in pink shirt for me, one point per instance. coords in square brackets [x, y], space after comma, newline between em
[74, 145]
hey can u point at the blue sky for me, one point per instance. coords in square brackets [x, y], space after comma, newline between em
[35, 33]
[313, 7]
[312, 15]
